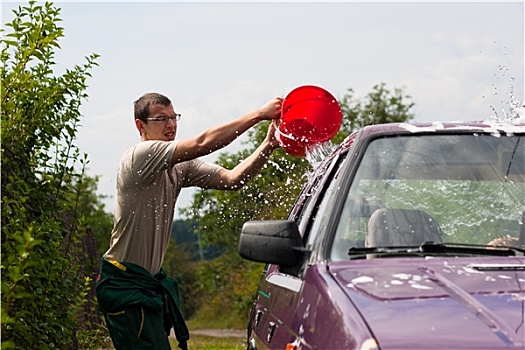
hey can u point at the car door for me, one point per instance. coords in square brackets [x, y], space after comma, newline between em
[280, 291]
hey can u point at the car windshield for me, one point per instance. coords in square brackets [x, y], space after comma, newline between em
[460, 188]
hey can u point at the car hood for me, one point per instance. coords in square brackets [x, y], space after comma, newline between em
[438, 303]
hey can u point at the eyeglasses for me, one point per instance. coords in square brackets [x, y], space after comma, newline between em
[164, 119]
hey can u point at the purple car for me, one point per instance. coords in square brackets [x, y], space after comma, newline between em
[408, 236]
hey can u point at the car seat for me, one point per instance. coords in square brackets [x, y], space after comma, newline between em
[402, 227]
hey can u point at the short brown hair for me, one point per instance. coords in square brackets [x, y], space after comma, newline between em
[141, 106]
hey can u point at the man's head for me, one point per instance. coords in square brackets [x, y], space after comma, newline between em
[155, 118]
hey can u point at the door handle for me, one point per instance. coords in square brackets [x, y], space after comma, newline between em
[271, 331]
[258, 316]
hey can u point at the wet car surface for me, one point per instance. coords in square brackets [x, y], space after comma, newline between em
[408, 236]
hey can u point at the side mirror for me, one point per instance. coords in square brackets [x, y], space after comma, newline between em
[273, 241]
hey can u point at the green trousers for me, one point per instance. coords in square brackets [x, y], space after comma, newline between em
[140, 309]
[136, 327]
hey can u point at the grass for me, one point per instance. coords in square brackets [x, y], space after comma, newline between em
[201, 342]
[204, 342]
[209, 317]
[204, 320]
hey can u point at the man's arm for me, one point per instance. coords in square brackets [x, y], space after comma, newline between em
[239, 176]
[218, 137]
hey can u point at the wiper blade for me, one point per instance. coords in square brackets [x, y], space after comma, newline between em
[383, 250]
[474, 249]
[437, 248]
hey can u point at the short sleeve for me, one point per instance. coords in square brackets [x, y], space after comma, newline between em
[149, 158]
[196, 172]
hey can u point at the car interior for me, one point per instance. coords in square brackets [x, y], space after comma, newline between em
[408, 191]
[402, 227]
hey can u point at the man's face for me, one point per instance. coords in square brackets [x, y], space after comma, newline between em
[158, 129]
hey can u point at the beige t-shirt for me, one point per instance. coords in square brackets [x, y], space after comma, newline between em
[148, 185]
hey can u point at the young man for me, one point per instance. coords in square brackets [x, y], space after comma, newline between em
[140, 304]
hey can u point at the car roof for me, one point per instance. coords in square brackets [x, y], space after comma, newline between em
[495, 128]
[492, 127]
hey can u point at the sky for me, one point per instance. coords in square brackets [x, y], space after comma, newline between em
[219, 60]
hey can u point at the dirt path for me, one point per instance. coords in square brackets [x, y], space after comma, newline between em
[219, 333]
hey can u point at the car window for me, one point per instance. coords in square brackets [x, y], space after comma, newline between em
[304, 214]
[321, 212]
[315, 193]
[451, 188]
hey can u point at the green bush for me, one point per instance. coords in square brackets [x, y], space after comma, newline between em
[46, 275]
[227, 287]
[178, 264]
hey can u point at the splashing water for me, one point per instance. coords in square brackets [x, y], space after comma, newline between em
[317, 152]
[516, 112]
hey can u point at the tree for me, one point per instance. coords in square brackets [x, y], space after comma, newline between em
[96, 219]
[43, 229]
[178, 264]
[377, 107]
[270, 195]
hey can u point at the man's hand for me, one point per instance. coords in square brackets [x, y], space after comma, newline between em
[272, 109]
[271, 136]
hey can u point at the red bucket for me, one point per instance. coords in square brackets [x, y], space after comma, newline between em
[309, 115]
[290, 144]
